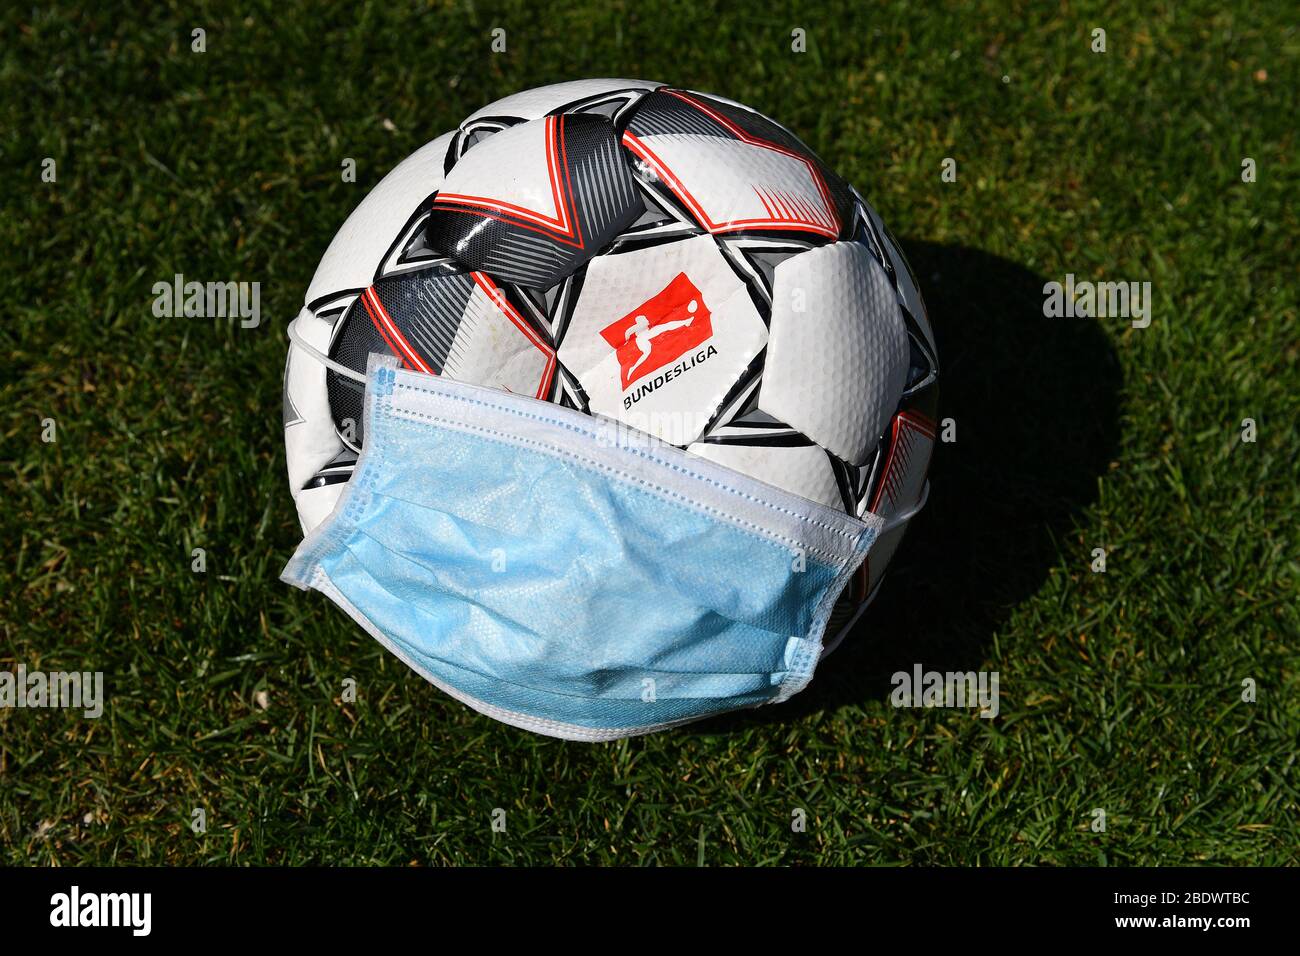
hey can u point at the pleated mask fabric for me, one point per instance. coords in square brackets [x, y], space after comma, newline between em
[568, 575]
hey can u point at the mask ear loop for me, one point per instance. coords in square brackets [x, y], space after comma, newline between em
[890, 524]
[296, 338]
[893, 521]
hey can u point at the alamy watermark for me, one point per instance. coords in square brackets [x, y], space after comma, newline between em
[133, 911]
[77, 690]
[209, 300]
[1098, 300]
[957, 689]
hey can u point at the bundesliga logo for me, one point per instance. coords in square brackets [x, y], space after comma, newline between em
[660, 330]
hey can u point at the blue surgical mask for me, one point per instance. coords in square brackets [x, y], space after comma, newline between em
[566, 575]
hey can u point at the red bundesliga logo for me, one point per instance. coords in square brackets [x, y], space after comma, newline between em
[660, 329]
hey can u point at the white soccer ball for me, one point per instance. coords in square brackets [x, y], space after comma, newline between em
[666, 258]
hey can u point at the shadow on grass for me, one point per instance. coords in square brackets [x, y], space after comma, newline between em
[1037, 411]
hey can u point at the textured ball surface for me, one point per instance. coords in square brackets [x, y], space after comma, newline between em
[670, 259]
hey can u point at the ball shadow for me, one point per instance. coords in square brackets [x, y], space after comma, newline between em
[1036, 406]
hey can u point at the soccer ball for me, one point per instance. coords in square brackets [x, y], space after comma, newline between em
[670, 259]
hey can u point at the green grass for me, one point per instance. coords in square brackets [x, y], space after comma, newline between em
[1120, 691]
